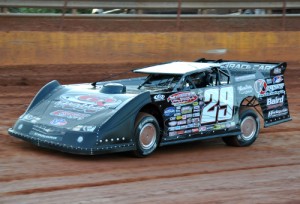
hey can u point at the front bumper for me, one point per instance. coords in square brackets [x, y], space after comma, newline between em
[98, 148]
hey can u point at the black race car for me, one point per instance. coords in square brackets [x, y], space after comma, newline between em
[177, 102]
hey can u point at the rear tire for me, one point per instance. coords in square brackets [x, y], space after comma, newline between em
[250, 125]
[146, 134]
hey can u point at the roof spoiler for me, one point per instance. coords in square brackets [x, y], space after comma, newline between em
[268, 68]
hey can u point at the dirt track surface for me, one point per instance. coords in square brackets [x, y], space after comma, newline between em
[200, 172]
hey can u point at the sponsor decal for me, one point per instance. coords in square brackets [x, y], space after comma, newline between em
[31, 118]
[86, 103]
[179, 117]
[273, 93]
[190, 125]
[173, 118]
[44, 128]
[277, 113]
[169, 111]
[186, 109]
[173, 123]
[207, 128]
[171, 128]
[187, 131]
[189, 120]
[177, 114]
[248, 67]
[263, 89]
[69, 114]
[245, 77]
[96, 100]
[58, 122]
[84, 128]
[177, 128]
[172, 134]
[196, 120]
[196, 115]
[275, 102]
[269, 81]
[275, 87]
[277, 79]
[181, 132]
[196, 108]
[195, 130]
[85, 108]
[246, 89]
[277, 71]
[189, 115]
[219, 126]
[260, 86]
[196, 124]
[159, 97]
[195, 103]
[181, 122]
[184, 117]
[183, 127]
[47, 137]
[182, 98]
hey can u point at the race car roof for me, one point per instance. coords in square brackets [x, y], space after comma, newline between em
[176, 68]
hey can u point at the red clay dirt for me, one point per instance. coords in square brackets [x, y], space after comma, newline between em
[200, 172]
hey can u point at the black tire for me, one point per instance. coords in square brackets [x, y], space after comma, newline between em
[146, 134]
[250, 126]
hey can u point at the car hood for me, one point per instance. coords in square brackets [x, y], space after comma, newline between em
[74, 105]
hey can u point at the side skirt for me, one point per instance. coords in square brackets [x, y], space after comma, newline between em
[179, 141]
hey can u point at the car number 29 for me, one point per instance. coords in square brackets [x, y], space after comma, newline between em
[219, 105]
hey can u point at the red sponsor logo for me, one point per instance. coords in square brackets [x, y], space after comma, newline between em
[260, 86]
[96, 100]
[195, 130]
[182, 98]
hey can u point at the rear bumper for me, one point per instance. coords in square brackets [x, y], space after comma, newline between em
[59, 146]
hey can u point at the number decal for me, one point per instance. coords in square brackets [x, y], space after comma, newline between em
[211, 98]
[219, 105]
[226, 104]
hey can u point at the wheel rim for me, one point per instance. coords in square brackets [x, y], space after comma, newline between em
[248, 128]
[147, 136]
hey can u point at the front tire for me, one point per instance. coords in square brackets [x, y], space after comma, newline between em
[146, 134]
[250, 125]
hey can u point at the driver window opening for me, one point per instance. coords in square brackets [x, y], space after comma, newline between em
[205, 79]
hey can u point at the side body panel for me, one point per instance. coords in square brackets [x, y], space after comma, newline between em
[265, 83]
[198, 114]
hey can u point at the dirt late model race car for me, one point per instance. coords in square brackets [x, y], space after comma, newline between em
[176, 102]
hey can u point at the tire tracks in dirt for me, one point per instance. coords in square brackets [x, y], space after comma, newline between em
[138, 179]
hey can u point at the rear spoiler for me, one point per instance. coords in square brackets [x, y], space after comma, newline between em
[275, 108]
[266, 68]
